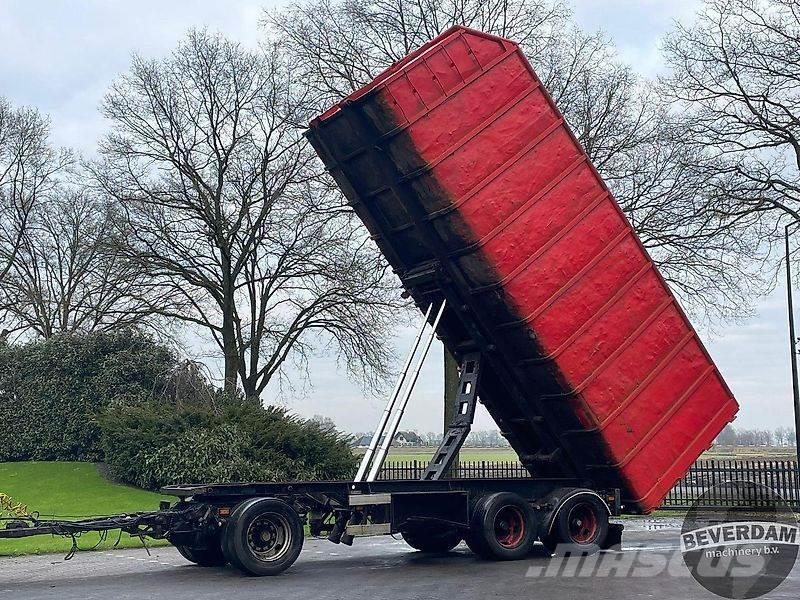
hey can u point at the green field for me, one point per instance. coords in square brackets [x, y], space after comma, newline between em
[471, 454]
[69, 491]
[750, 453]
[467, 454]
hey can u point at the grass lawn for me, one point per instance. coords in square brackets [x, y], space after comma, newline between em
[68, 491]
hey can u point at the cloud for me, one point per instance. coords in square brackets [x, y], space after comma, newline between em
[63, 56]
[635, 27]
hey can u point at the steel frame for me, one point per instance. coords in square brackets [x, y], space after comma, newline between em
[463, 416]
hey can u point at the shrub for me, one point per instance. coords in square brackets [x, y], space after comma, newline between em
[123, 399]
[156, 444]
[50, 391]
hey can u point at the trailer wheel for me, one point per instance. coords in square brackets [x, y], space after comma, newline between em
[263, 536]
[579, 526]
[433, 540]
[206, 556]
[503, 527]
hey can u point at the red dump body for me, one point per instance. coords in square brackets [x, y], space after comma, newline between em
[475, 189]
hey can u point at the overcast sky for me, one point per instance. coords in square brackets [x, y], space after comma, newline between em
[61, 56]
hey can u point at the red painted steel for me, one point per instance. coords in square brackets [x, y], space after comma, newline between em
[535, 234]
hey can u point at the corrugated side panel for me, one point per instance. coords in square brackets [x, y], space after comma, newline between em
[458, 157]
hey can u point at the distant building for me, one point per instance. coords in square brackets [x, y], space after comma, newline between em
[407, 438]
[362, 442]
[401, 438]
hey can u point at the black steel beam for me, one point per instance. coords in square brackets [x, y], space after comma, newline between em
[462, 416]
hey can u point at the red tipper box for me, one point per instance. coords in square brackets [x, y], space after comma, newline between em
[475, 189]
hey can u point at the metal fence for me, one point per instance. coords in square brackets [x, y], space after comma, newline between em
[703, 484]
[702, 481]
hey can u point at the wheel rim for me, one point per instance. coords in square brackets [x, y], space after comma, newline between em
[509, 526]
[269, 537]
[583, 523]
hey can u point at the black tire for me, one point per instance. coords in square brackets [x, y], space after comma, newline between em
[435, 540]
[205, 556]
[579, 527]
[186, 552]
[503, 527]
[263, 536]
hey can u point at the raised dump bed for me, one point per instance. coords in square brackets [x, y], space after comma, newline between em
[471, 183]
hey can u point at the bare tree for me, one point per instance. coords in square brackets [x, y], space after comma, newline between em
[28, 168]
[341, 46]
[223, 208]
[727, 436]
[716, 264]
[782, 435]
[736, 89]
[338, 46]
[68, 276]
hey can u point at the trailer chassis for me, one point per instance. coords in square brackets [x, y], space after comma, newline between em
[259, 527]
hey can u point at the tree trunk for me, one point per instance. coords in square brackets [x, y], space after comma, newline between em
[250, 390]
[230, 345]
[231, 355]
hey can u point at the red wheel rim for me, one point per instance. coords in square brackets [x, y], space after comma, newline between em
[583, 523]
[509, 526]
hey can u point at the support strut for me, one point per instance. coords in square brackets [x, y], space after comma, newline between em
[463, 415]
[366, 460]
[380, 456]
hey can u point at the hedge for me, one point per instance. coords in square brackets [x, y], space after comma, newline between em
[50, 391]
[154, 445]
[123, 399]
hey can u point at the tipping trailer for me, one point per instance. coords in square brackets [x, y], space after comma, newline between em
[477, 192]
[506, 237]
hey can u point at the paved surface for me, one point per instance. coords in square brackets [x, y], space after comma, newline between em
[374, 568]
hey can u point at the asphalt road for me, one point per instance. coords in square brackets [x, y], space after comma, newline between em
[374, 568]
